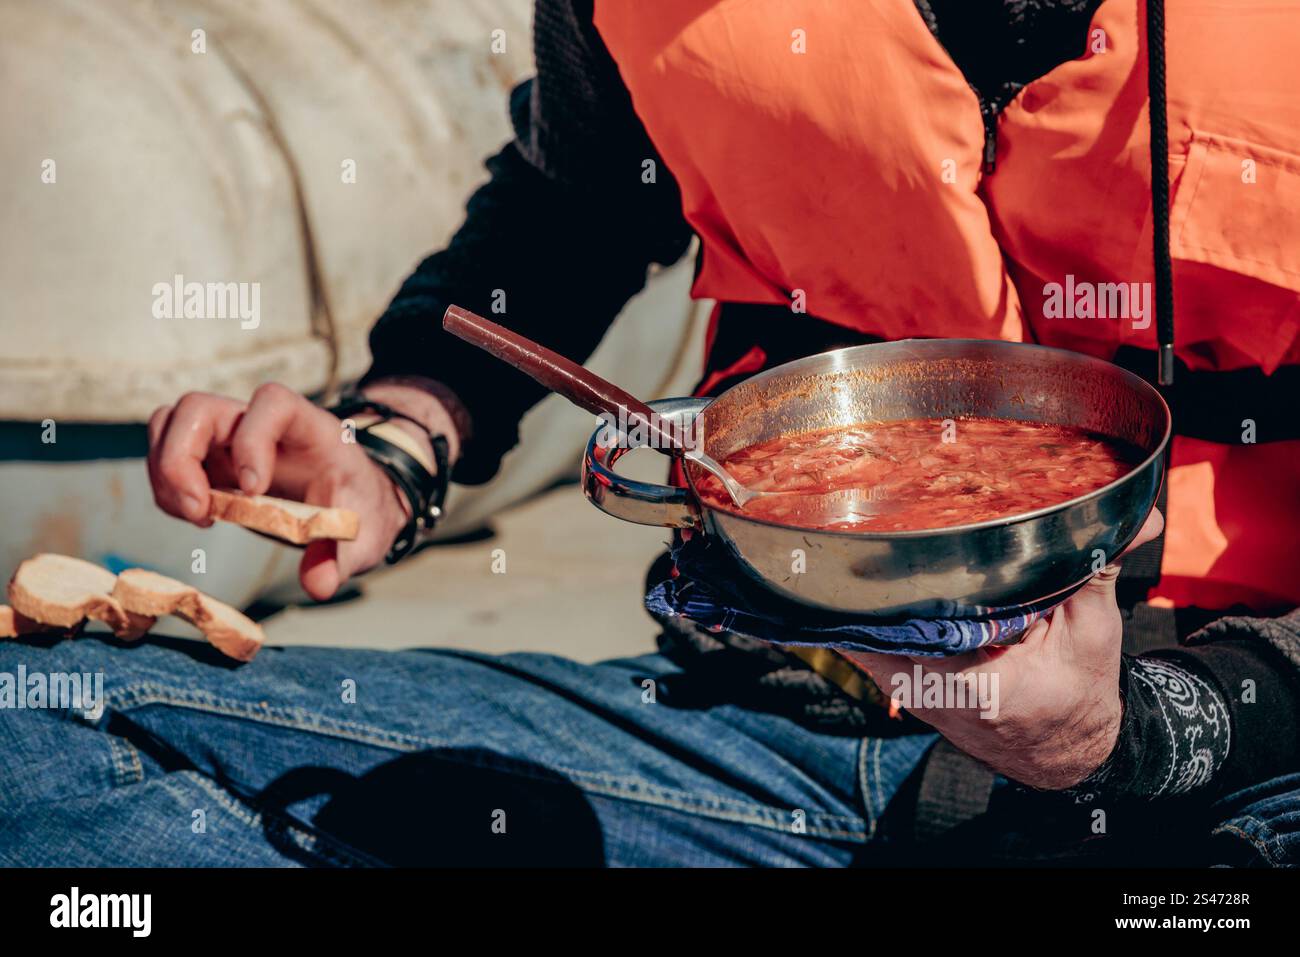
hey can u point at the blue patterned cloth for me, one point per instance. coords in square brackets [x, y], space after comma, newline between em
[708, 588]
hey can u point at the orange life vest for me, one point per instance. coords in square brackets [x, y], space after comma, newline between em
[829, 154]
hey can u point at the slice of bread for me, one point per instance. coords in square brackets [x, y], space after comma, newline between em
[293, 522]
[230, 631]
[13, 624]
[59, 591]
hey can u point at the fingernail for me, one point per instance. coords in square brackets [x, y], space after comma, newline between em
[191, 506]
[247, 479]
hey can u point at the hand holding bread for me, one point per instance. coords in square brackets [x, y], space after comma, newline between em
[278, 445]
[278, 465]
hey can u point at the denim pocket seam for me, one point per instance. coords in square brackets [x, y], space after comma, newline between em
[865, 781]
[147, 693]
[127, 767]
[150, 693]
[1260, 836]
[820, 824]
[235, 808]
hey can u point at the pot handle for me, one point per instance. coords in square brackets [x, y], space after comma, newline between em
[644, 503]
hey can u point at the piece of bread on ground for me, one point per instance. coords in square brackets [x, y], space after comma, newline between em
[229, 630]
[294, 522]
[60, 592]
[13, 623]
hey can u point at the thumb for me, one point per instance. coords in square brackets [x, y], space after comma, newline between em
[1099, 593]
[1150, 530]
[1089, 620]
[319, 570]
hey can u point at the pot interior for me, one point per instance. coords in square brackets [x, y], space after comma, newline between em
[937, 378]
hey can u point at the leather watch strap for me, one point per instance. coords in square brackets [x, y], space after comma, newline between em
[390, 431]
[422, 482]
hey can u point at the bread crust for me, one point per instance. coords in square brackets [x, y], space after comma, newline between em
[265, 514]
[230, 641]
[14, 623]
[230, 631]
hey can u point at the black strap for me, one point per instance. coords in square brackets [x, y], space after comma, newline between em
[1140, 570]
[352, 403]
[1147, 628]
[954, 789]
[1230, 408]
[425, 492]
[771, 328]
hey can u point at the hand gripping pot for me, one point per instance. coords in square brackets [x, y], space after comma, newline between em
[963, 570]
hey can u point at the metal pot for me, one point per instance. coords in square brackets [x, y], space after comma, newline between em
[973, 569]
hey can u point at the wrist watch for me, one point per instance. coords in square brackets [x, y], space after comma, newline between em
[423, 483]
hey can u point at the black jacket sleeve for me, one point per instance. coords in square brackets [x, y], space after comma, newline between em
[553, 245]
[1209, 718]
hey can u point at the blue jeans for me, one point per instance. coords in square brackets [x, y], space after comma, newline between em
[338, 757]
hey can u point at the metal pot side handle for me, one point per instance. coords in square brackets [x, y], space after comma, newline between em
[644, 503]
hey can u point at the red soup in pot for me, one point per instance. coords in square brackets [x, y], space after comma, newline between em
[917, 473]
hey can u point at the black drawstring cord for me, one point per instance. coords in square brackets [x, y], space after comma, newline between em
[1164, 276]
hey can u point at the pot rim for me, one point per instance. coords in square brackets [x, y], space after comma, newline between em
[1135, 381]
